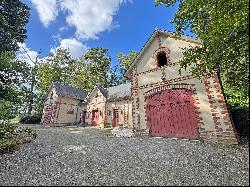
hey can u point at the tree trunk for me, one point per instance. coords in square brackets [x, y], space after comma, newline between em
[31, 97]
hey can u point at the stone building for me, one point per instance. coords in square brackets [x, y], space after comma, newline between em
[101, 107]
[159, 100]
[166, 103]
[109, 107]
[63, 104]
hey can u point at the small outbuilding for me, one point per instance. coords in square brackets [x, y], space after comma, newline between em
[102, 107]
[63, 104]
[109, 107]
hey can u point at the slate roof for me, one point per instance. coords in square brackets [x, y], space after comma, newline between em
[122, 90]
[103, 90]
[64, 90]
[112, 93]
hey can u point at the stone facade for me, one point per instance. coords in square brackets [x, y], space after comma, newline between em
[98, 100]
[64, 110]
[62, 104]
[126, 105]
[97, 106]
[214, 122]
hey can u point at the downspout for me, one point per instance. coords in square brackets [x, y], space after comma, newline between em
[76, 111]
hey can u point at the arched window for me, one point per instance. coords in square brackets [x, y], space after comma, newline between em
[162, 59]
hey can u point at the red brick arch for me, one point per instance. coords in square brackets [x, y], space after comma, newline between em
[162, 49]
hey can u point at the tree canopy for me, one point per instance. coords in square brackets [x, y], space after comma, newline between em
[13, 73]
[223, 28]
[124, 62]
[55, 68]
[14, 16]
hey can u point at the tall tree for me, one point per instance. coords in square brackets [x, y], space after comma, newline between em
[55, 68]
[124, 62]
[223, 28]
[98, 64]
[14, 16]
[13, 73]
[82, 76]
[32, 79]
[114, 78]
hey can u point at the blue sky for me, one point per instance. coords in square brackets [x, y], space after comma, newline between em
[119, 25]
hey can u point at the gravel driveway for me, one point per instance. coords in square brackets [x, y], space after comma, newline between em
[78, 156]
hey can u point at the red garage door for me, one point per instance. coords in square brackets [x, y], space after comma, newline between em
[171, 113]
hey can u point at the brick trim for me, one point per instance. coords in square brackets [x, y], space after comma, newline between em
[159, 50]
[222, 134]
[158, 68]
[135, 102]
[170, 86]
[163, 83]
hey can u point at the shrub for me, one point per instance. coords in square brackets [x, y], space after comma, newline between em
[7, 110]
[240, 118]
[31, 119]
[12, 136]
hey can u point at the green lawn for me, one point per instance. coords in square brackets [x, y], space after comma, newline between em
[15, 120]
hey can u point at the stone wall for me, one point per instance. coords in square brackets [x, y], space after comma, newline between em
[124, 107]
[96, 102]
[64, 110]
[68, 110]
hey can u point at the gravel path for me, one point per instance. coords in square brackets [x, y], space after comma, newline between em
[77, 156]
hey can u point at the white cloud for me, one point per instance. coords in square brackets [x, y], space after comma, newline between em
[76, 48]
[47, 10]
[63, 28]
[26, 54]
[89, 17]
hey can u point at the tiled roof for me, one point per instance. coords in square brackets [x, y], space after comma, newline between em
[119, 91]
[64, 90]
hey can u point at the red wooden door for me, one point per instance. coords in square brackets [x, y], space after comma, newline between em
[171, 113]
[95, 117]
[115, 121]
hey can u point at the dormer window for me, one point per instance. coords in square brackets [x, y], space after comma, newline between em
[162, 59]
